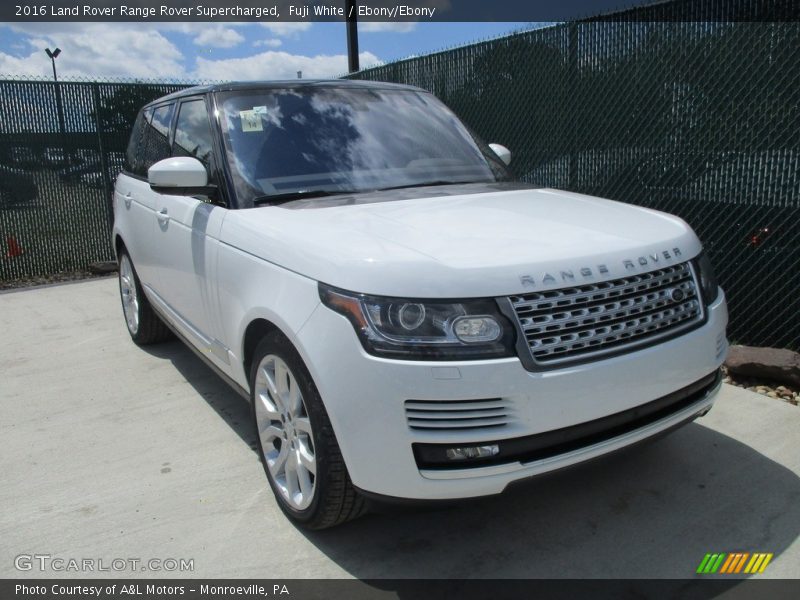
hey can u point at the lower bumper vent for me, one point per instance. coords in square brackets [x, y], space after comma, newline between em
[561, 441]
[456, 415]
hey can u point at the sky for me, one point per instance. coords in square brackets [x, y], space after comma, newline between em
[222, 51]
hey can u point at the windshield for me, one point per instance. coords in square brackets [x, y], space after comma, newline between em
[299, 141]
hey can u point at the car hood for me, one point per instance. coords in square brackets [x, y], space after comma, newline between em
[484, 242]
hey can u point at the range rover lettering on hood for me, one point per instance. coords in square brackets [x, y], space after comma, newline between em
[587, 273]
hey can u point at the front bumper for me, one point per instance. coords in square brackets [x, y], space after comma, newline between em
[365, 398]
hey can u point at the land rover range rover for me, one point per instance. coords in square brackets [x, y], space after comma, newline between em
[407, 320]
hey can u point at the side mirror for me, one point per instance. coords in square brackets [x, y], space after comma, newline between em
[179, 175]
[502, 152]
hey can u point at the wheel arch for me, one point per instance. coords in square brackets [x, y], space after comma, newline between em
[256, 331]
[119, 245]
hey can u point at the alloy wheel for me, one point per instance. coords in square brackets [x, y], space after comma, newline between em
[285, 431]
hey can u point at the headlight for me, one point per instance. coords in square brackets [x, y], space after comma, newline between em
[424, 329]
[709, 286]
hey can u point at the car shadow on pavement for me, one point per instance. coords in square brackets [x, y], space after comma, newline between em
[651, 511]
[230, 406]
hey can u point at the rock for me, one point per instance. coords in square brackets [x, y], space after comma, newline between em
[772, 394]
[772, 364]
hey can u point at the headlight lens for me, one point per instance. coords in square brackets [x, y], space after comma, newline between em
[709, 286]
[424, 329]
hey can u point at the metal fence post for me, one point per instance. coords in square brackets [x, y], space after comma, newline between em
[103, 157]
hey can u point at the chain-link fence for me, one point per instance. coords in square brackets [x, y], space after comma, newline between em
[698, 119]
[61, 147]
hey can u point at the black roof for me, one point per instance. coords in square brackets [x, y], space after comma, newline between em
[283, 85]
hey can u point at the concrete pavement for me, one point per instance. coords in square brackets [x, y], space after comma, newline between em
[110, 451]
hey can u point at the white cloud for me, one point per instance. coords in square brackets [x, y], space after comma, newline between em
[96, 50]
[278, 65]
[269, 43]
[383, 26]
[142, 50]
[288, 29]
[219, 37]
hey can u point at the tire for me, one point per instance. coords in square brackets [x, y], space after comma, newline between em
[144, 325]
[296, 442]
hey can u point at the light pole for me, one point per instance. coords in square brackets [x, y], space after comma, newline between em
[351, 8]
[53, 56]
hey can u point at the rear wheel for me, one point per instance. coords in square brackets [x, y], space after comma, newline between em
[143, 323]
[298, 448]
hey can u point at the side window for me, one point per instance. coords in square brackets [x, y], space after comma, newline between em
[154, 144]
[193, 133]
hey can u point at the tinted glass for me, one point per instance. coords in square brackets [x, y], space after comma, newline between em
[338, 139]
[132, 162]
[193, 132]
[155, 140]
[162, 117]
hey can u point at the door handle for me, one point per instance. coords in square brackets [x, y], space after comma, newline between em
[128, 199]
[163, 216]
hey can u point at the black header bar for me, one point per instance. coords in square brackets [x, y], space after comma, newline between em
[407, 589]
[398, 10]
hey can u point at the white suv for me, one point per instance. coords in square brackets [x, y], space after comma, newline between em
[407, 321]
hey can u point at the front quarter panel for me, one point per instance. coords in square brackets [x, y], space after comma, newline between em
[252, 288]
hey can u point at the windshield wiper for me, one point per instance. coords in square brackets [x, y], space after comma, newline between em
[424, 184]
[274, 199]
[298, 195]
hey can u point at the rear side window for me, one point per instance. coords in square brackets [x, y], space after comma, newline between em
[132, 157]
[162, 117]
[193, 133]
[149, 140]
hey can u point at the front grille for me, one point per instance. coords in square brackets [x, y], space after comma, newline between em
[458, 415]
[586, 321]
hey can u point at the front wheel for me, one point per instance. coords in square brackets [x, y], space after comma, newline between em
[298, 448]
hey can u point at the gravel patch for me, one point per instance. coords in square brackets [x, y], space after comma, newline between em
[54, 279]
[766, 388]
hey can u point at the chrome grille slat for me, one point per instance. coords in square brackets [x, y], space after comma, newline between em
[573, 323]
[450, 415]
[465, 414]
[457, 423]
[543, 300]
[624, 330]
[452, 405]
[598, 299]
[609, 317]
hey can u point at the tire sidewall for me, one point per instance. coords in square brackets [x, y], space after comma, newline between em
[277, 344]
[139, 294]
